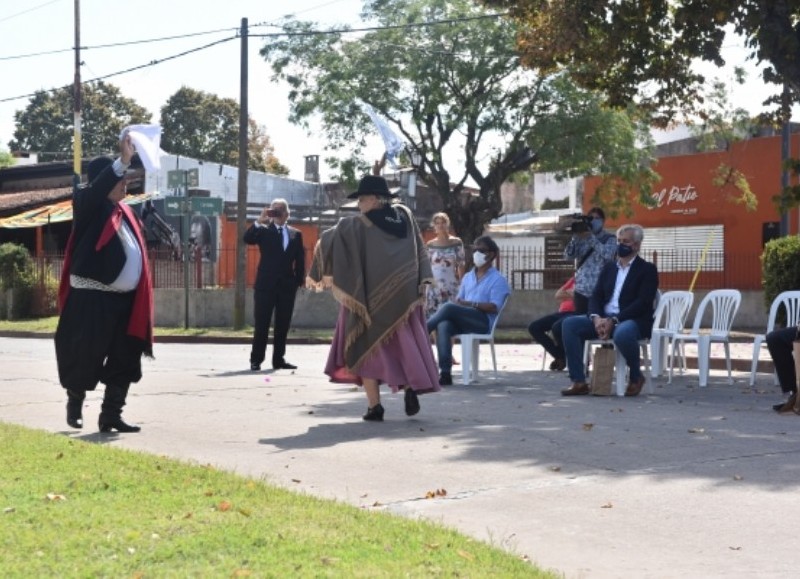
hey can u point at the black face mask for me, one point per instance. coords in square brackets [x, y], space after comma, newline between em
[624, 250]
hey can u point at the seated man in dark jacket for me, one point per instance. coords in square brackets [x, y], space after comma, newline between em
[621, 308]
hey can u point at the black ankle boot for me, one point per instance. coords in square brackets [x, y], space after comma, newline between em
[411, 401]
[109, 424]
[75, 408]
[374, 414]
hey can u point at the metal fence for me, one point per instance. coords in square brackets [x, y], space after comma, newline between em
[523, 267]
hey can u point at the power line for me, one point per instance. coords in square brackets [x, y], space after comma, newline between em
[127, 70]
[28, 10]
[117, 44]
[304, 33]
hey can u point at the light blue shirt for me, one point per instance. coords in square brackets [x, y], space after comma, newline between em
[492, 287]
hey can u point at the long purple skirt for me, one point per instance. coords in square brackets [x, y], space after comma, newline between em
[405, 359]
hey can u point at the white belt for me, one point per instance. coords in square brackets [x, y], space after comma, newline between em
[79, 282]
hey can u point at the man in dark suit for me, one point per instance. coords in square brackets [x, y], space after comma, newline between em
[620, 308]
[281, 271]
[105, 297]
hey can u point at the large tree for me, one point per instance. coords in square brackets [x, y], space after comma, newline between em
[445, 74]
[46, 125]
[205, 126]
[645, 51]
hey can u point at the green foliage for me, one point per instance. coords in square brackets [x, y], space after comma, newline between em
[558, 204]
[456, 85]
[15, 266]
[16, 275]
[780, 267]
[204, 126]
[46, 125]
[644, 52]
[6, 159]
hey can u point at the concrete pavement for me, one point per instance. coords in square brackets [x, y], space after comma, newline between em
[685, 482]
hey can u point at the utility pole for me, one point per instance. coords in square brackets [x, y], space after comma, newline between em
[77, 102]
[786, 136]
[241, 198]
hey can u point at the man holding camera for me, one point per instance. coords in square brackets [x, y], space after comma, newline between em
[281, 271]
[592, 248]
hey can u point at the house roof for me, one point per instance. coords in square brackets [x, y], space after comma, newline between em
[17, 202]
[56, 212]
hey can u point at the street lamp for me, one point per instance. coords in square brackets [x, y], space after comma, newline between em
[416, 158]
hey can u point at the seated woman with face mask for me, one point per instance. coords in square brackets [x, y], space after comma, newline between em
[480, 297]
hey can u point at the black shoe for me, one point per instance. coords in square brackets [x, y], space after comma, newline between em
[284, 366]
[75, 413]
[255, 367]
[374, 414]
[445, 379]
[116, 424]
[558, 364]
[412, 402]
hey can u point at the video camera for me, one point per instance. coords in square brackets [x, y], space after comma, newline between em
[578, 223]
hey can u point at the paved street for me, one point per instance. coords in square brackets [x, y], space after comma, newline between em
[687, 482]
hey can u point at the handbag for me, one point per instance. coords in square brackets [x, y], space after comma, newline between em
[602, 371]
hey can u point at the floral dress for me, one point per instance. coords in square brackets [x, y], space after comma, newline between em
[445, 262]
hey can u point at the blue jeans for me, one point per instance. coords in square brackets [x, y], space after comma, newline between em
[577, 329]
[451, 320]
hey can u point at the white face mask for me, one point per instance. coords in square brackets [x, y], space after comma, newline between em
[478, 259]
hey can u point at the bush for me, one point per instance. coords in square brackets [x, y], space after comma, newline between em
[16, 274]
[780, 266]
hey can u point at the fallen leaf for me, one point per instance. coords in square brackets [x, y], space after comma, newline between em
[377, 504]
[296, 480]
[467, 556]
[55, 497]
[588, 426]
[607, 506]
[555, 468]
[224, 506]
[697, 430]
[735, 548]
[328, 560]
[737, 477]
[245, 512]
[59, 455]
[9, 510]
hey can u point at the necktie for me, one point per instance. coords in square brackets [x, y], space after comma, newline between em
[280, 235]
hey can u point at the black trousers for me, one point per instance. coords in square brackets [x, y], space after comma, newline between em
[539, 328]
[779, 344]
[92, 342]
[92, 346]
[280, 300]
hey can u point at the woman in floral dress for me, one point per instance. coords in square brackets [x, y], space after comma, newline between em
[446, 253]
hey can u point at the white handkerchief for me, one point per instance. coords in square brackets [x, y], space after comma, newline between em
[147, 140]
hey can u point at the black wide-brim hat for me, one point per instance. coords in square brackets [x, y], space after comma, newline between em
[372, 185]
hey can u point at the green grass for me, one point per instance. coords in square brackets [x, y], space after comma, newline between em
[75, 509]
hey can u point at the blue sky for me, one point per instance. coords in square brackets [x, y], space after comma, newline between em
[47, 26]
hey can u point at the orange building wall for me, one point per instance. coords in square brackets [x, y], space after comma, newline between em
[687, 195]
[227, 257]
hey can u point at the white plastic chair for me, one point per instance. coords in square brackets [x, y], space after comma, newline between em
[620, 365]
[790, 300]
[669, 319]
[470, 344]
[724, 304]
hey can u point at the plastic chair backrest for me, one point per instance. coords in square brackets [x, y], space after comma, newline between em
[499, 313]
[790, 300]
[672, 311]
[724, 305]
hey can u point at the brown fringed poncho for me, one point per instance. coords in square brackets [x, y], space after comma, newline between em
[377, 277]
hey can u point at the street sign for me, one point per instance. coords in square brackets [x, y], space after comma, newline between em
[177, 179]
[175, 205]
[209, 206]
[193, 178]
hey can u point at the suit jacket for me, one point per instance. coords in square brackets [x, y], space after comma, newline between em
[636, 300]
[277, 266]
[91, 211]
